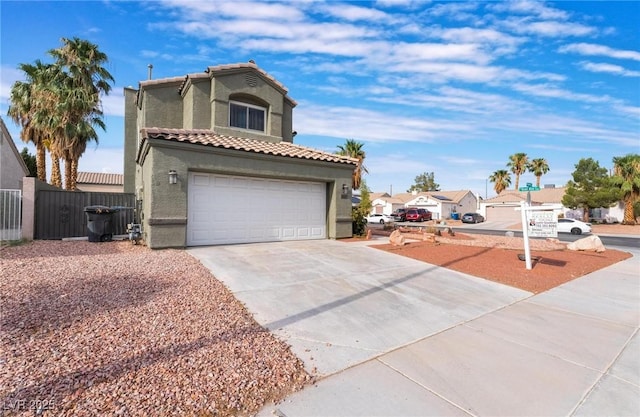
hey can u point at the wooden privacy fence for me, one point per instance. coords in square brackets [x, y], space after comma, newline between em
[10, 215]
[60, 214]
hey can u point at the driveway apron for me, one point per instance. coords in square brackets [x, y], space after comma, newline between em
[390, 336]
[339, 304]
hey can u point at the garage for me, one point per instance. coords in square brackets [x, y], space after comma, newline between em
[225, 209]
[503, 213]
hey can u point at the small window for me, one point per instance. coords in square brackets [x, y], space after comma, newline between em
[246, 116]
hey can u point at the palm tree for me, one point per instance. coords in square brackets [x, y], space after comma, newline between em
[27, 110]
[626, 170]
[353, 149]
[538, 167]
[501, 179]
[518, 163]
[80, 95]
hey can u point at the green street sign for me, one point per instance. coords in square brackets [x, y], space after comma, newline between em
[529, 188]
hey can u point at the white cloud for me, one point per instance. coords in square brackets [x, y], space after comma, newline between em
[599, 50]
[9, 75]
[354, 13]
[101, 159]
[551, 91]
[278, 12]
[608, 68]
[113, 104]
[536, 8]
[549, 29]
[371, 126]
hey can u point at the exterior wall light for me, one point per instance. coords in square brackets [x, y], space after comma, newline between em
[173, 177]
[345, 190]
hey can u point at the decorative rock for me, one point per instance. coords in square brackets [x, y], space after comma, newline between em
[590, 243]
[396, 238]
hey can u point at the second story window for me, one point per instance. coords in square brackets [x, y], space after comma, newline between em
[247, 116]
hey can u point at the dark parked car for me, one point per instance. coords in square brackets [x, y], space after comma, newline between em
[400, 215]
[472, 218]
[418, 215]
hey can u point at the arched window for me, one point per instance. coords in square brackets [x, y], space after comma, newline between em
[247, 114]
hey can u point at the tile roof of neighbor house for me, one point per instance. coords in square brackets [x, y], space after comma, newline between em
[373, 196]
[210, 138]
[100, 178]
[444, 196]
[545, 195]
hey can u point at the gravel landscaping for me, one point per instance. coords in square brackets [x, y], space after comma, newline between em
[91, 329]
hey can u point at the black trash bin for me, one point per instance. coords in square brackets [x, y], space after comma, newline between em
[99, 223]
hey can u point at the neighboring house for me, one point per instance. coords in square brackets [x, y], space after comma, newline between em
[100, 182]
[502, 207]
[383, 203]
[211, 159]
[12, 166]
[442, 204]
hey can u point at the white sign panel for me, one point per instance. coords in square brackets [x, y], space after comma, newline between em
[542, 224]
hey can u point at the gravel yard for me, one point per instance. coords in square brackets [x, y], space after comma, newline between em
[91, 329]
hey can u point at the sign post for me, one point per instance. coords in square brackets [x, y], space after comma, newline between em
[537, 221]
[525, 234]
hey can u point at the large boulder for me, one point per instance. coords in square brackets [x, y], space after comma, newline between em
[590, 243]
[396, 238]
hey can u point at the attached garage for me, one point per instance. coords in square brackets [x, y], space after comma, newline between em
[503, 213]
[224, 209]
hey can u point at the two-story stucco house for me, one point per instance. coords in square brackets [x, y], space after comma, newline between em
[211, 159]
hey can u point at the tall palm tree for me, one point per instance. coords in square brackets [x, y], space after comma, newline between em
[501, 179]
[354, 149]
[27, 109]
[86, 81]
[538, 167]
[626, 170]
[518, 163]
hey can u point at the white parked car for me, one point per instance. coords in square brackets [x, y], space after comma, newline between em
[575, 227]
[379, 218]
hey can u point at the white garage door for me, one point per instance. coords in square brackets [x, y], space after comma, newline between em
[226, 209]
[503, 214]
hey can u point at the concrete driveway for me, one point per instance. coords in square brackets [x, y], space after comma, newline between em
[390, 336]
[339, 304]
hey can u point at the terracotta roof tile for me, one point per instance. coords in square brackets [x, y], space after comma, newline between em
[211, 138]
[544, 195]
[100, 178]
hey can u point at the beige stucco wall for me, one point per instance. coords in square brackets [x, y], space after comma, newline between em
[130, 139]
[196, 96]
[161, 106]
[165, 205]
[236, 84]
[12, 167]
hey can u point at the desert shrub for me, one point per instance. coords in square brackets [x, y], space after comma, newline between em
[434, 230]
[358, 224]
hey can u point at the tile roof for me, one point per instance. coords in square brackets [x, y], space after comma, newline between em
[100, 178]
[452, 196]
[545, 195]
[210, 138]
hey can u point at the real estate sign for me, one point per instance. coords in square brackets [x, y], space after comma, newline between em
[543, 224]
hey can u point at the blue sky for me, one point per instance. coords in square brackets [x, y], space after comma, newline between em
[452, 88]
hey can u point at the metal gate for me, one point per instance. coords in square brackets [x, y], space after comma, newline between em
[60, 214]
[10, 215]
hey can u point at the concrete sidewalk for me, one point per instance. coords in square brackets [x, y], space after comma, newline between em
[390, 336]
